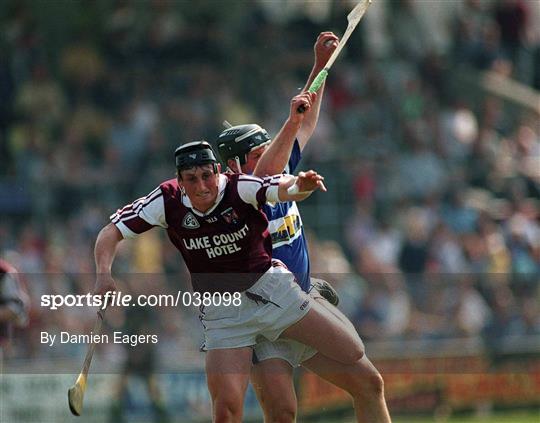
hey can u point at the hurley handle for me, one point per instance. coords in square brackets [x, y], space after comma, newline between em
[314, 87]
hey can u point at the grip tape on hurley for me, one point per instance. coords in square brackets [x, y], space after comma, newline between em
[315, 85]
[318, 81]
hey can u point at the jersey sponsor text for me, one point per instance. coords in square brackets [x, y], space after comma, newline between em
[217, 245]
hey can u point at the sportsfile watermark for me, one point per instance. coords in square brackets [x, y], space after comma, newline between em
[120, 299]
[410, 323]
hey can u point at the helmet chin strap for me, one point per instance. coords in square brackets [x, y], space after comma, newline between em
[239, 168]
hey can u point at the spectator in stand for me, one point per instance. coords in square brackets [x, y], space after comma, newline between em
[386, 108]
[472, 312]
[512, 17]
[413, 256]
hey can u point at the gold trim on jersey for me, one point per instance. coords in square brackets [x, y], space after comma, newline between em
[284, 230]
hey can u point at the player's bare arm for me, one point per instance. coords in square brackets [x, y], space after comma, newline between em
[104, 253]
[299, 125]
[299, 188]
[325, 45]
[277, 154]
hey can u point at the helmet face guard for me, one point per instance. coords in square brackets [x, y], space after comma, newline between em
[196, 153]
[238, 141]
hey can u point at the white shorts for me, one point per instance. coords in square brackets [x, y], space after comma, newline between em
[270, 306]
[293, 352]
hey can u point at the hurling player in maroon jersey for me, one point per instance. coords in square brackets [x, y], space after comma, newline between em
[215, 221]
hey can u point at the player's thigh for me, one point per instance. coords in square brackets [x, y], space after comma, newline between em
[355, 378]
[227, 373]
[272, 381]
[325, 332]
[336, 312]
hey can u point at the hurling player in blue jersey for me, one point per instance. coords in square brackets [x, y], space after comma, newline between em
[249, 149]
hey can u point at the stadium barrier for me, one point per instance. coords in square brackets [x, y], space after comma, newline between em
[420, 377]
[454, 375]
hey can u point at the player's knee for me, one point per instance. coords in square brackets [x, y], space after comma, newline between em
[227, 410]
[279, 409]
[226, 415]
[284, 413]
[366, 386]
[375, 384]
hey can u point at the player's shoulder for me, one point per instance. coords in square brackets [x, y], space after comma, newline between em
[170, 184]
[170, 187]
[170, 192]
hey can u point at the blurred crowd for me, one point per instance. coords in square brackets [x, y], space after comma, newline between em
[436, 184]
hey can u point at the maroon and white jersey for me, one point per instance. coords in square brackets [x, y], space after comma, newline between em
[231, 239]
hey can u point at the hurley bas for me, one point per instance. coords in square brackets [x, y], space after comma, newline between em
[117, 338]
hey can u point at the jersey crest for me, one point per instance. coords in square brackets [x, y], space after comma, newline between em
[190, 221]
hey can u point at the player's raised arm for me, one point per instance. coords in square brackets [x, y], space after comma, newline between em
[277, 154]
[325, 45]
[298, 125]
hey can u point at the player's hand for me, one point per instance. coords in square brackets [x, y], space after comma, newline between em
[304, 99]
[310, 181]
[325, 45]
[104, 283]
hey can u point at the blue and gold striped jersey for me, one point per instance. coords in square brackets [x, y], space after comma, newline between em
[285, 225]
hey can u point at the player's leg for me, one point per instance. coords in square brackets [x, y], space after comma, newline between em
[117, 404]
[361, 380]
[323, 330]
[336, 312]
[272, 374]
[227, 374]
[272, 381]
[326, 295]
[156, 400]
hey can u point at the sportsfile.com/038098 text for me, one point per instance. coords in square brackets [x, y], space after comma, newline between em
[118, 299]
